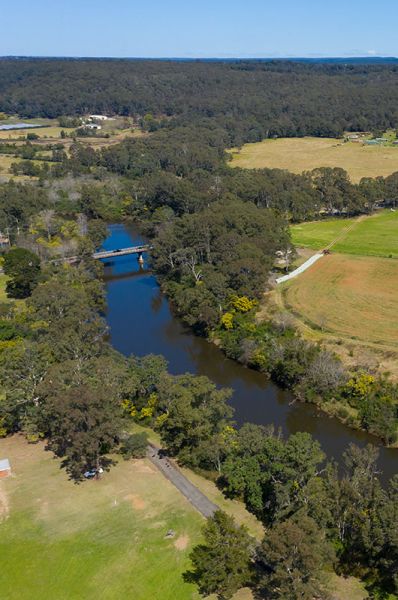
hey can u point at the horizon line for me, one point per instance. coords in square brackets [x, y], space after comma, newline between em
[192, 58]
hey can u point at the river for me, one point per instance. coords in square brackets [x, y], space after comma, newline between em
[141, 322]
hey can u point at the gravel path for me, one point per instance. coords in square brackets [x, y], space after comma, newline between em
[173, 474]
[300, 269]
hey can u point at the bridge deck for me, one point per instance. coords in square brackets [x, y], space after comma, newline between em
[121, 251]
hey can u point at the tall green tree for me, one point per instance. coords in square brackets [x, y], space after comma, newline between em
[222, 564]
[23, 268]
[195, 412]
[84, 425]
[295, 554]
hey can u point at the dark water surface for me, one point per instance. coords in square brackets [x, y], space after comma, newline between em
[141, 323]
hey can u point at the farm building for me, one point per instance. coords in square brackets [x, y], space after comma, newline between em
[99, 117]
[5, 468]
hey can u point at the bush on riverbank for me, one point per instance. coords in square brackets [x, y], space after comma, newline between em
[360, 400]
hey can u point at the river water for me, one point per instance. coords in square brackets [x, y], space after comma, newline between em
[141, 322]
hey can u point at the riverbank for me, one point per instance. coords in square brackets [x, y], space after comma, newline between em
[136, 304]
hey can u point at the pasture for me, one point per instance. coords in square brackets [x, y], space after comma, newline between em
[304, 154]
[318, 234]
[376, 235]
[352, 297]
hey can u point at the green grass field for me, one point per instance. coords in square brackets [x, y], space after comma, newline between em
[376, 235]
[373, 236]
[102, 539]
[304, 154]
[318, 234]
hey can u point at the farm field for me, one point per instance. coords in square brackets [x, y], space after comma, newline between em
[376, 235]
[349, 296]
[304, 154]
[373, 236]
[5, 164]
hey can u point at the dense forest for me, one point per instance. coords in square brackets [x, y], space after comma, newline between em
[248, 100]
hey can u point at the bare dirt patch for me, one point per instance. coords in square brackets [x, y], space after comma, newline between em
[136, 501]
[181, 542]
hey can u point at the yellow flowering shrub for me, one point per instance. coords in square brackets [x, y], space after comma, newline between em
[129, 407]
[360, 385]
[242, 303]
[227, 320]
[229, 436]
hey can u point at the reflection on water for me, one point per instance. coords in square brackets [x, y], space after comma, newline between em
[141, 323]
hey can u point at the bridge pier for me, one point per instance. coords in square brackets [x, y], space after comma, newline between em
[140, 258]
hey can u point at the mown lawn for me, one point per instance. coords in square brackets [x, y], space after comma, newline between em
[98, 540]
[376, 235]
[373, 236]
[318, 234]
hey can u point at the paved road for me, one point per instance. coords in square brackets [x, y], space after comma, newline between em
[173, 474]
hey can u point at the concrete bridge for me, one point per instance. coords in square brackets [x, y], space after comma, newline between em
[139, 250]
[104, 254]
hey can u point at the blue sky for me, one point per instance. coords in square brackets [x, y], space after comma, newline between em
[217, 28]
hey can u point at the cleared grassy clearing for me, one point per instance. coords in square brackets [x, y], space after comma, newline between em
[304, 154]
[352, 297]
[102, 539]
[5, 164]
[42, 132]
[373, 236]
[376, 235]
[318, 234]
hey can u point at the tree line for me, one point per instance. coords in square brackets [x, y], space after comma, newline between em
[279, 99]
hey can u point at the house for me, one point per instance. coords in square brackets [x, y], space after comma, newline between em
[93, 126]
[5, 468]
[99, 117]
